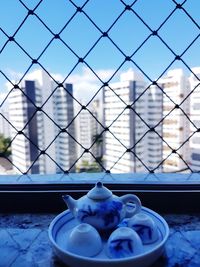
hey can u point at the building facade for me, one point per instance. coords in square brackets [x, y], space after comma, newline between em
[155, 128]
[39, 145]
[194, 157]
[88, 136]
[175, 130]
[4, 122]
[124, 144]
[154, 140]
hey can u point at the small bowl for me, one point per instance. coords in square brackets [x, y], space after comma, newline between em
[145, 227]
[124, 242]
[84, 240]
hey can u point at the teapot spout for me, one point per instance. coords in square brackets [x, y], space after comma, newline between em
[70, 202]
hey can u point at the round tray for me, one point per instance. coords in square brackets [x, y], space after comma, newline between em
[62, 225]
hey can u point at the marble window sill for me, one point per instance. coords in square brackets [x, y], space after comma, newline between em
[24, 241]
[166, 179]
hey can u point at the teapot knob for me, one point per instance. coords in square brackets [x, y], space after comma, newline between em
[99, 184]
[99, 192]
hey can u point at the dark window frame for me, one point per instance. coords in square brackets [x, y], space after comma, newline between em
[178, 193]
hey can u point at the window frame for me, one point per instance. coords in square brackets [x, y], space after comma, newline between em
[161, 192]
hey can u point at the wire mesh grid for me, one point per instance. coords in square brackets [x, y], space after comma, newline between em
[65, 130]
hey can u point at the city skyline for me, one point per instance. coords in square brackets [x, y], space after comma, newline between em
[151, 107]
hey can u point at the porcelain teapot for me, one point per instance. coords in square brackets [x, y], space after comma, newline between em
[102, 209]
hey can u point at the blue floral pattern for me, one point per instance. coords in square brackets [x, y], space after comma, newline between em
[120, 248]
[85, 213]
[108, 211]
[143, 231]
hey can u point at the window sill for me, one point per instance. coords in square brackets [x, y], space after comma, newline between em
[84, 181]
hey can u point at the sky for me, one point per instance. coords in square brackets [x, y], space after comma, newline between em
[128, 33]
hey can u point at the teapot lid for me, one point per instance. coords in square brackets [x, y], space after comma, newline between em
[99, 192]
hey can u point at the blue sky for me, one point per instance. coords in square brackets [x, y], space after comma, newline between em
[128, 33]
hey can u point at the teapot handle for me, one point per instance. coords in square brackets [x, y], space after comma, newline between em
[133, 204]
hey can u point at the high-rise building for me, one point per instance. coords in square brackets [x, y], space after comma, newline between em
[35, 128]
[175, 130]
[155, 128]
[194, 157]
[88, 131]
[154, 140]
[97, 148]
[4, 125]
[124, 141]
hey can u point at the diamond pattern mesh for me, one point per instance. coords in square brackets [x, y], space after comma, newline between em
[107, 42]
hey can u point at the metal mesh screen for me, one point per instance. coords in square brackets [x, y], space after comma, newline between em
[64, 106]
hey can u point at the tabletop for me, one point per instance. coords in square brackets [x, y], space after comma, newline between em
[24, 241]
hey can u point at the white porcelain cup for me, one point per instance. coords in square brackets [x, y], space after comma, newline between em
[124, 242]
[84, 240]
[145, 227]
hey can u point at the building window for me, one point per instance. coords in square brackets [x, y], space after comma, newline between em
[196, 156]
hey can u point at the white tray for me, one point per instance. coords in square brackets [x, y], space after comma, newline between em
[62, 225]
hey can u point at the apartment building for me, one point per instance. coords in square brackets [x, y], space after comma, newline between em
[4, 125]
[175, 126]
[88, 129]
[155, 127]
[154, 118]
[194, 143]
[97, 148]
[125, 124]
[34, 128]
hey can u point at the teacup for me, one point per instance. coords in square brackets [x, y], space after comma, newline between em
[84, 240]
[124, 242]
[145, 227]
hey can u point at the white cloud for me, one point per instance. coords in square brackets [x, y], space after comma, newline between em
[14, 75]
[87, 75]
[86, 84]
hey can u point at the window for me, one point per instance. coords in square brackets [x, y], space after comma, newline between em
[196, 157]
[78, 88]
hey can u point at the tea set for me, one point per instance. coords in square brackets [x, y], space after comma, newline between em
[101, 226]
[101, 209]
